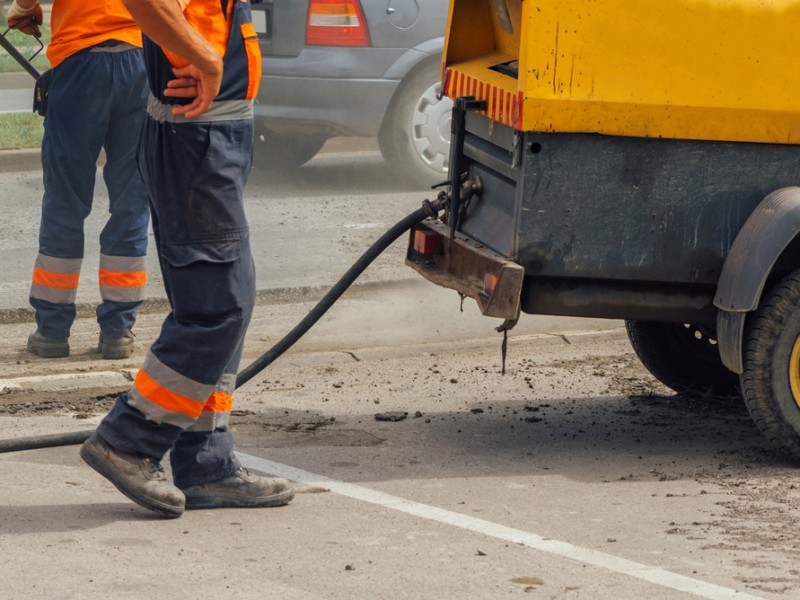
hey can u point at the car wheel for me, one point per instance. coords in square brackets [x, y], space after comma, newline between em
[771, 376]
[415, 136]
[683, 357]
[279, 152]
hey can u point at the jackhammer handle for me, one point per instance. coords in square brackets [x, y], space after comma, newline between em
[15, 54]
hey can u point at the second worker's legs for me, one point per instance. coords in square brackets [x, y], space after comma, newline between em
[75, 127]
[123, 242]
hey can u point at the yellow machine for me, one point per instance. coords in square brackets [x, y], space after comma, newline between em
[637, 161]
[689, 69]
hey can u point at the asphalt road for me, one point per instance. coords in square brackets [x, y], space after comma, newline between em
[573, 475]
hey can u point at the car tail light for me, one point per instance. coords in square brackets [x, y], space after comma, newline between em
[336, 23]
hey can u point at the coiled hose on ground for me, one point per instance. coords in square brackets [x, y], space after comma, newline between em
[428, 209]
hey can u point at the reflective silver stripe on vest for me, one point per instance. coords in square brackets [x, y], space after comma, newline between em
[173, 381]
[224, 110]
[210, 420]
[118, 47]
[123, 264]
[63, 266]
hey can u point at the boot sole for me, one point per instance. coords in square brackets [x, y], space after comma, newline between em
[99, 463]
[116, 353]
[48, 351]
[206, 501]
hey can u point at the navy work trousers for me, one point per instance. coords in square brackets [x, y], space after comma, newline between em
[195, 175]
[96, 101]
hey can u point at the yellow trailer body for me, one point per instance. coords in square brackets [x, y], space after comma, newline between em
[635, 160]
[691, 69]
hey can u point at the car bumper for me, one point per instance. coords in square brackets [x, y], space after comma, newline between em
[329, 91]
[350, 107]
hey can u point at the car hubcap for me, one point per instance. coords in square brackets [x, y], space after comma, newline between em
[430, 129]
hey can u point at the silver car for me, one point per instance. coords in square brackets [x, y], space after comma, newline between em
[368, 68]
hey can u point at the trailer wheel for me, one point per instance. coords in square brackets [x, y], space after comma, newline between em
[682, 356]
[771, 376]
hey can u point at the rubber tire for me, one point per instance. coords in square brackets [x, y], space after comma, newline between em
[770, 335]
[280, 152]
[415, 135]
[682, 357]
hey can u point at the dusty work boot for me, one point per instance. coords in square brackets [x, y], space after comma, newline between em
[140, 478]
[47, 347]
[113, 348]
[240, 490]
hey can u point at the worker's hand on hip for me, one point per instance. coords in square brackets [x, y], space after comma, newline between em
[190, 82]
[26, 19]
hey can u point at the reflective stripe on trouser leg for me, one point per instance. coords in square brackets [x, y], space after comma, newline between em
[56, 279]
[154, 412]
[204, 452]
[122, 286]
[122, 278]
[163, 395]
[54, 289]
[216, 412]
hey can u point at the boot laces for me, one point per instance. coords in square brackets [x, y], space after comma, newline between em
[154, 466]
[245, 474]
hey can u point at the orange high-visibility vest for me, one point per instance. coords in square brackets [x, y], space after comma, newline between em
[78, 24]
[228, 26]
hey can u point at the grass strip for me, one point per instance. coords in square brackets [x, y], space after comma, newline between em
[20, 130]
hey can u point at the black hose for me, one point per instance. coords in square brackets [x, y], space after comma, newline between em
[45, 441]
[429, 209]
[334, 293]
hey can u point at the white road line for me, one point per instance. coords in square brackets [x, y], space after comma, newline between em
[610, 562]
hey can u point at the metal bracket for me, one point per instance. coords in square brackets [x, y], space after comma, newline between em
[458, 130]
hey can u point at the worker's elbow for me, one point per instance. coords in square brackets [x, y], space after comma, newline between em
[138, 9]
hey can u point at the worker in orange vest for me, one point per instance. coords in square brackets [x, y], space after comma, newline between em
[95, 100]
[204, 67]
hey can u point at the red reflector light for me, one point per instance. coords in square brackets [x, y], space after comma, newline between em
[489, 283]
[336, 23]
[426, 242]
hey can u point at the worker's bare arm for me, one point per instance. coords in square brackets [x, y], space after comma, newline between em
[27, 4]
[163, 22]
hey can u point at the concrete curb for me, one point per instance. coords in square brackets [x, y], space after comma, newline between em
[26, 159]
[286, 295]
